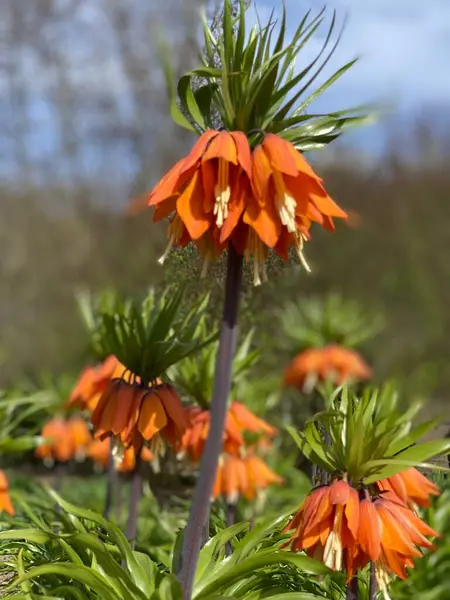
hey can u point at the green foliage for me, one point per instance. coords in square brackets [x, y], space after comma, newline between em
[249, 77]
[69, 552]
[371, 437]
[315, 322]
[149, 337]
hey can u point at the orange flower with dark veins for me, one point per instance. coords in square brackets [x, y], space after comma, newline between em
[411, 487]
[326, 524]
[5, 500]
[333, 363]
[92, 383]
[99, 451]
[64, 440]
[132, 412]
[202, 188]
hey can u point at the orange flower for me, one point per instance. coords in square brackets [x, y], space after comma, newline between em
[259, 476]
[92, 383]
[202, 188]
[390, 534]
[327, 523]
[333, 362]
[5, 500]
[287, 196]
[133, 413]
[65, 439]
[238, 421]
[99, 450]
[242, 477]
[335, 526]
[411, 487]
[223, 193]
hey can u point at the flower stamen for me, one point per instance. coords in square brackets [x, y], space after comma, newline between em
[222, 193]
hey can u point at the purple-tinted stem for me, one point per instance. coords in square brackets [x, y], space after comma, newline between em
[135, 496]
[110, 484]
[352, 589]
[208, 467]
[373, 589]
[231, 520]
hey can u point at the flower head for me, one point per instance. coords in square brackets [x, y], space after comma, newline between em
[239, 421]
[92, 383]
[411, 487]
[242, 477]
[327, 523]
[65, 439]
[99, 451]
[347, 529]
[5, 500]
[333, 363]
[223, 192]
[133, 412]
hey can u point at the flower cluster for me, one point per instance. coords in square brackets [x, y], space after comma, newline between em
[241, 472]
[224, 192]
[346, 528]
[65, 439]
[331, 363]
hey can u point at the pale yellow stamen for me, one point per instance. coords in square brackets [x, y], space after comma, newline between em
[222, 192]
[258, 252]
[332, 554]
[174, 233]
[117, 449]
[300, 239]
[383, 580]
[284, 203]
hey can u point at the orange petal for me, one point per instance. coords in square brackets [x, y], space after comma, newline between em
[261, 174]
[280, 155]
[152, 416]
[236, 207]
[190, 208]
[173, 406]
[352, 512]
[339, 492]
[264, 221]
[244, 155]
[370, 529]
[199, 149]
[222, 146]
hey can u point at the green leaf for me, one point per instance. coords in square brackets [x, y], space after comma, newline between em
[226, 575]
[188, 100]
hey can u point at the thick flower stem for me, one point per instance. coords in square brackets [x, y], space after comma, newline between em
[213, 447]
[135, 496]
[352, 589]
[373, 589]
[110, 484]
[231, 520]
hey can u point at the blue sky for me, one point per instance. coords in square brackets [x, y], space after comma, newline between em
[404, 50]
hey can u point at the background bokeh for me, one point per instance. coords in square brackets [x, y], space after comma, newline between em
[86, 126]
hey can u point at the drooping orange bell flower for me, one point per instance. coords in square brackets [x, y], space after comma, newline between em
[99, 451]
[390, 534]
[242, 477]
[327, 523]
[287, 196]
[202, 187]
[65, 439]
[331, 363]
[132, 413]
[92, 383]
[5, 500]
[239, 420]
[411, 487]
[222, 192]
